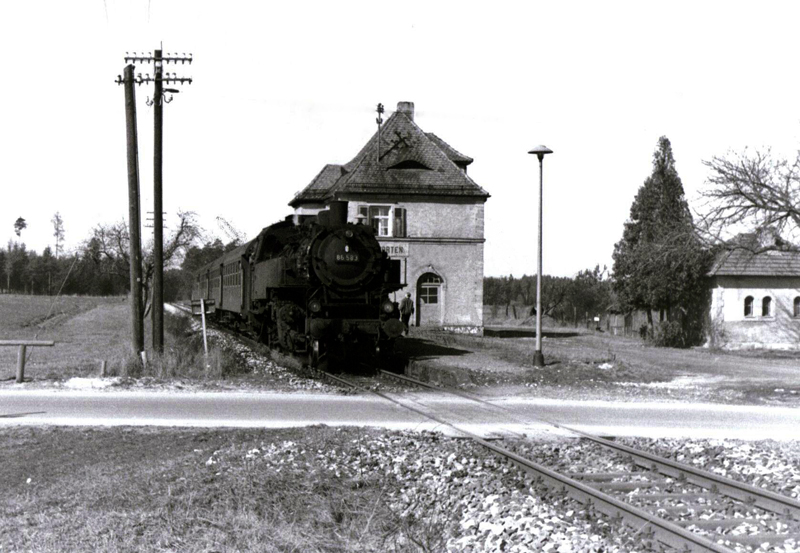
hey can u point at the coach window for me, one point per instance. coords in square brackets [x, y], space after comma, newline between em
[748, 306]
[766, 307]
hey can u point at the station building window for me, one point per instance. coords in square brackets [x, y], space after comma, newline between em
[748, 306]
[388, 221]
[797, 306]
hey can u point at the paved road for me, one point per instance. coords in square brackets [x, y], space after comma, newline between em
[33, 407]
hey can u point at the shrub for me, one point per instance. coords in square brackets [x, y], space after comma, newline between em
[671, 334]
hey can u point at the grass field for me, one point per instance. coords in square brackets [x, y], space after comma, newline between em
[89, 330]
[77, 489]
[583, 364]
[85, 329]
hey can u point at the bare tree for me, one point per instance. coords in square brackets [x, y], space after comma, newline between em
[752, 192]
[58, 232]
[109, 246]
[236, 236]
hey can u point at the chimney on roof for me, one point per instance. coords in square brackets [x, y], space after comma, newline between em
[407, 108]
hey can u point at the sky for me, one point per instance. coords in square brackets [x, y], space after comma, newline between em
[280, 89]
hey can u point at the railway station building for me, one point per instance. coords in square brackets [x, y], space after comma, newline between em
[412, 187]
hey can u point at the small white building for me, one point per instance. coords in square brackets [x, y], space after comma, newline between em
[755, 300]
[413, 189]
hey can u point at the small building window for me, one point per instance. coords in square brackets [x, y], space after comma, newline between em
[766, 307]
[797, 306]
[748, 306]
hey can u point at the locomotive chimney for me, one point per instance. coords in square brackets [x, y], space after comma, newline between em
[337, 214]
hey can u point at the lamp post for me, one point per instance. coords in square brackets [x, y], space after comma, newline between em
[538, 358]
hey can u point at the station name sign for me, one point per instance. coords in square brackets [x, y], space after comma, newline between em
[396, 250]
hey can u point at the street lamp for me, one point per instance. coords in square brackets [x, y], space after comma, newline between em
[538, 358]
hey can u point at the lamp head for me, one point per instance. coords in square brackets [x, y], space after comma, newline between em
[541, 151]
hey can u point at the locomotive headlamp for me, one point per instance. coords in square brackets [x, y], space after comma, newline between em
[387, 307]
[315, 306]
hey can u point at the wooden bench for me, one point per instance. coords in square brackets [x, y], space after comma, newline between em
[23, 346]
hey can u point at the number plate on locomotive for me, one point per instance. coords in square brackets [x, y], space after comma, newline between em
[347, 258]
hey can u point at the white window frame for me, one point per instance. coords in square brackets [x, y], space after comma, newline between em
[385, 228]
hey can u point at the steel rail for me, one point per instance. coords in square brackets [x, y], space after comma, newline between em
[649, 525]
[764, 499]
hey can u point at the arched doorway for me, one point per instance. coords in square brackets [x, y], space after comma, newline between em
[429, 300]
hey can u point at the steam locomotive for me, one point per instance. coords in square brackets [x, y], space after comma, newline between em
[319, 289]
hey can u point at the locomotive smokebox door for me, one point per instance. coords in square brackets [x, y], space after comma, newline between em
[347, 259]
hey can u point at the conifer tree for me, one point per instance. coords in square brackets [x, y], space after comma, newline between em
[660, 264]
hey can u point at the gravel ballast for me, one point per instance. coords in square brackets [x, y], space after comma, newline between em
[474, 501]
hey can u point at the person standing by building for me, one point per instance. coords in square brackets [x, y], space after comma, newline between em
[406, 310]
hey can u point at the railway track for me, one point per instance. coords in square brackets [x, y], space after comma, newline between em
[671, 504]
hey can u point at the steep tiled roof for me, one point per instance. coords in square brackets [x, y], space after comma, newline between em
[319, 186]
[452, 154]
[743, 262]
[411, 162]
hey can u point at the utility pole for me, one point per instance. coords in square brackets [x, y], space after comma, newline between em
[158, 215]
[159, 98]
[137, 324]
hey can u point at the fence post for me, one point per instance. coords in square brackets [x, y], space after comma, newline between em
[21, 363]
